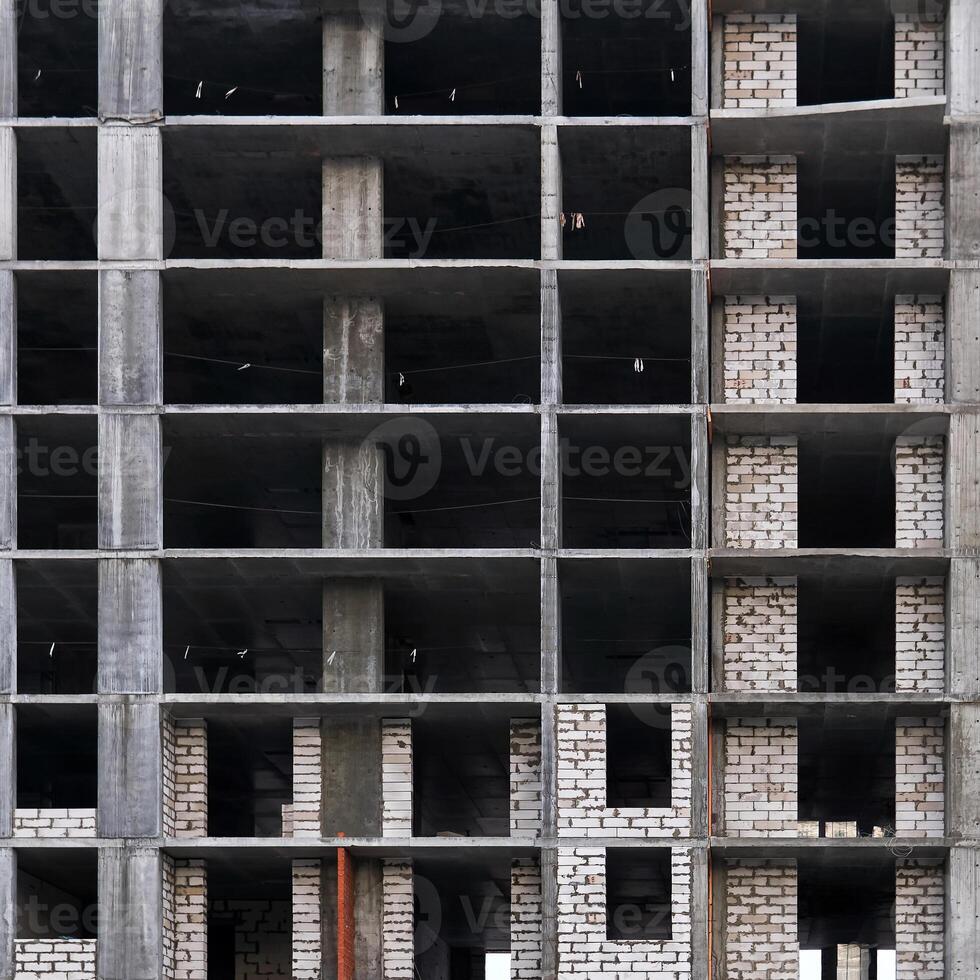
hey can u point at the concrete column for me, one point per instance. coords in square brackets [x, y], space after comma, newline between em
[8, 63]
[130, 633]
[8, 338]
[351, 776]
[551, 60]
[8, 193]
[353, 208]
[8, 632]
[8, 910]
[353, 636]
[130, 769]
[131, 59]
[130, 338]
[8, 482]
[551, 194]
[353, 63]
[130, 216]
[130, 482]
[8, 767]
[353, 350]
[130, 914]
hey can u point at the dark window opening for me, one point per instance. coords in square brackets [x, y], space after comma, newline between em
[626, 62]
[57, 893]
[638, 894]
[626, 627]
[57, 617]
[57, 338]
[250, 776]
[56, 193]
[846, 52]
[57, 757]
[638, 755]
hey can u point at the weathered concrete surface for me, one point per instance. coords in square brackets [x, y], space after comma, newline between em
[130, 799]
[130, 338]
[353, 636]
[130, 914]
[353, 350]
[352, 775]
[131, 59]
[130, 482]
[353, 64]
[130, 215]
[130, 633]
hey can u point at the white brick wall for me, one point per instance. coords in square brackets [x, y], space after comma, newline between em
[920, 634]
[759, 60]
[584, 952]
[398, 921]
[525, 919]
[525, 777]
[920, 798]
[307, 920]
[396, 777]
[304, 815]
[762, 927]
[54, 959]
[53, 822]
[760, 349]
[761, 777]
[919, 922]
[185, 928]
[760, 207]
[760, 638]
[919, 462]
[582, 808]
[920, 211]
[185, 777]
[920, 57]
[920, 349]
[762, 492]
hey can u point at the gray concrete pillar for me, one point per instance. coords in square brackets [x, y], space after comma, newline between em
[8, 338]
[963, 912]
[130, 370]
[130, 914]
[131, 59]
[8, 910]
[353, 63]
[130, 217]
[353, 208]
[551, 60]
[8, 62]
[8, 482]
[353, 350]
[551, 195]
[353, 636]
[130, 633]
[8, 633]
[130, 482]
[8, 767]
[351, 776]
[130, 777]
[8, 193]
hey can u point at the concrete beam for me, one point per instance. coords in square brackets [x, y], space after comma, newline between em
[130, 215]
[130, 482]
[353, 636]
[131, 59]
[8, 193]
[8, 62]
[353, 208]
[353, 64]
[130, 775]
[8, 337]
[353, 350]
[130, 633]
[8, 627]
[130, 914]
[963, 913]
[351, 776]
[130, 329]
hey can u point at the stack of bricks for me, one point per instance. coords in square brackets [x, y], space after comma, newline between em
[396, 777]
[920, 56]
[397, 921]
[919, 462]
[920, 349]
[525, 777]
[760, 207]
[584, 951]
[582, 808]
[762, 492]
[919, 921]
[762, 926]
[525, 919]
[185, 778]
[759, 52]
[54, 959]
[51, 822]
[303, 817]
[920, 213]
[760, 634]
[920, 793]
[920, 635]
[185, 928]
[307, 919]
[760, 349]
[761, 777]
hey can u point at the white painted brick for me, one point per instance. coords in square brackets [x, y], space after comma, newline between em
[919, 922]
[760, 207]
[185, 777]
[760, 349]
[396, 777]
[920, 634]
[185, 928]
[762, 928]
[761, 777]
[762, 492]
[759, 53]
[54, 959]
[50, 823]
[920, 780]
[307, 919]
[303, 817]
[525, 777]
[398, 921]
[760, 634]
[920, 349]
[920, 57]
[525, 919]
[920, 210]
[919, 498]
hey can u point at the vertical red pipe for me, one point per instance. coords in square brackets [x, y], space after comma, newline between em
[345, 914]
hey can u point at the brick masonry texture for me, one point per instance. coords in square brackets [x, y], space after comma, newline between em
[920, 213]
[761, 777]
[762, 939]
[396, 777]
[263, 937]
[304, 815]
[919, 463]
[760, 207]
[397, 921]
[185, 929]
[307, 920]
[920, 349]
[920, 57]
[920, 634]
[55, 959]
[760, 349]
[584, 951]
[525, 777]
[762, 492]
[920, 794]
[582, 809]
[760, 638]
[759, 60]
[185, 778]
[919, 921]
[51, 822]
[525, 919]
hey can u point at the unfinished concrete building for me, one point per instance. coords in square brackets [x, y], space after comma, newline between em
[489, 480]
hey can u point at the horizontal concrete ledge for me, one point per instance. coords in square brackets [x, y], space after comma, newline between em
[886, 420]
[906, 847]
[817, 705]
[816, 279]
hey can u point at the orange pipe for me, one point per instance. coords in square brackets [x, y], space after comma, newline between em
[711, 877]
[345, 914]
